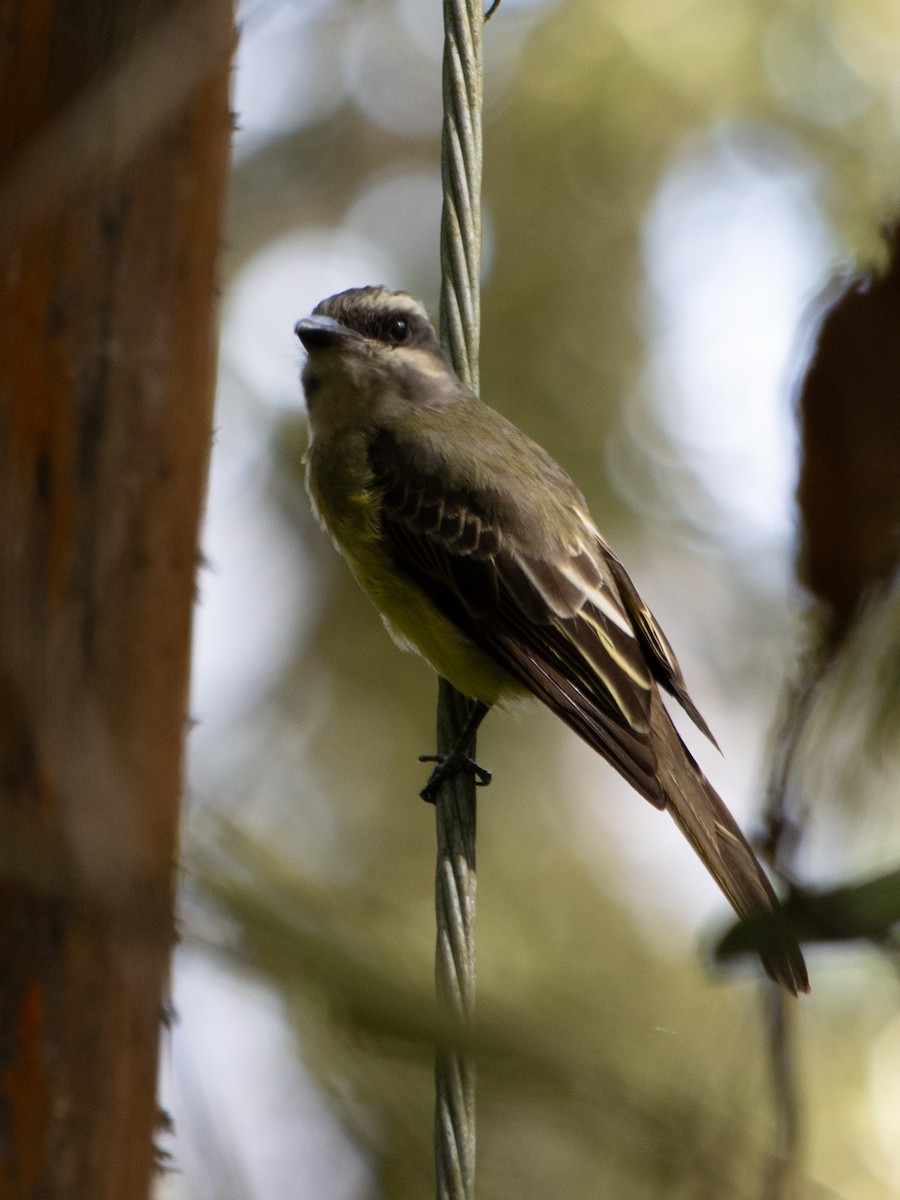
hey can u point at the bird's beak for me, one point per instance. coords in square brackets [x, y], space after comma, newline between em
[320, 333]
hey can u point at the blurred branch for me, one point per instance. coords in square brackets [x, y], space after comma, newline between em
[849, 506]
[865, 911]
[305, 942]
[783, 1170]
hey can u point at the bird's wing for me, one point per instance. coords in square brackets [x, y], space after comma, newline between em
[547, 608]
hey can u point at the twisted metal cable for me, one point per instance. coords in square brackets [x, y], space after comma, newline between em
[461, 178]
[454, 1075]
[454, 1126]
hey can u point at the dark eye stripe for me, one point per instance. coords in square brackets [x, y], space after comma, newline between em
[382, 324]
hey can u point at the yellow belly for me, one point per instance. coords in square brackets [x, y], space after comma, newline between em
[416, 624]
[348, 511]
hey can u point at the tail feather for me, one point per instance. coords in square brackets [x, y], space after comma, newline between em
[715, 836]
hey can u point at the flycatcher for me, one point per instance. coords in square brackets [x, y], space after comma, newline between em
[480, 553]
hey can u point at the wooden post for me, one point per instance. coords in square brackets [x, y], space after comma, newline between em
[113, 158]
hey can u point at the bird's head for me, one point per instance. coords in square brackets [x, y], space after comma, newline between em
[371, 354]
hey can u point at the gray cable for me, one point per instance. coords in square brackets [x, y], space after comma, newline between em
[454, 1129]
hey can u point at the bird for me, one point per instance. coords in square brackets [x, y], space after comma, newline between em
[480, 553]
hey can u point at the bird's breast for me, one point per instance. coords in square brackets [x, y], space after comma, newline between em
[348, 506]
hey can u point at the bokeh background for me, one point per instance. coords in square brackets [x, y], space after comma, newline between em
[674, 193]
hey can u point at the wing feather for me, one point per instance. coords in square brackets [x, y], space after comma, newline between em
[659, 654]
[550, 614]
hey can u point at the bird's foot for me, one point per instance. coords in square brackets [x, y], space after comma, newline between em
[447, 765]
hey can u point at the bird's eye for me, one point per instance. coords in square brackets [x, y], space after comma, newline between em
[398, 330]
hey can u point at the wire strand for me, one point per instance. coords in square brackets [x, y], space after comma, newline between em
[455, 811]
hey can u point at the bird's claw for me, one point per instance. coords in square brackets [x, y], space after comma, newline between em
[447, 765]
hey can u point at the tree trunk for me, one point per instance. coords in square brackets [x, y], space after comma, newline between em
[113, 157]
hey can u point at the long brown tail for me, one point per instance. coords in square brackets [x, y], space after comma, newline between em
[710, 828]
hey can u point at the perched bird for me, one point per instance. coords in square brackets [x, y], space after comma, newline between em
[480, 553]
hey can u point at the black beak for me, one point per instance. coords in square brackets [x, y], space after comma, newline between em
[319, 333]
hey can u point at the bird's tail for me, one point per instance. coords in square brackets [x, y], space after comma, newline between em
[710, 828]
